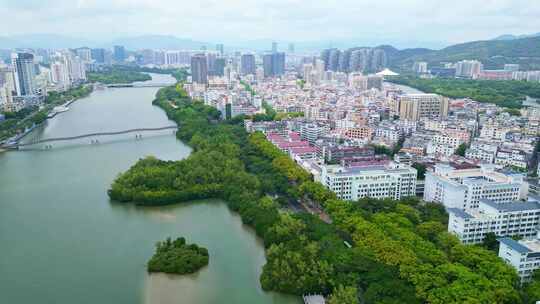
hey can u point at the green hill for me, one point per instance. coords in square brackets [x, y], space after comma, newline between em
[493, 53]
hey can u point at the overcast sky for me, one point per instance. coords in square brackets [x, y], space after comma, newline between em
[294, 20]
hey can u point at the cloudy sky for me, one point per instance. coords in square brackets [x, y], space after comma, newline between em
[377, 21]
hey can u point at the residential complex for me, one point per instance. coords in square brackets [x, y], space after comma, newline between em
[462, 186]
[417, 106]
[523, 255]
[370, 179]
[514, 219]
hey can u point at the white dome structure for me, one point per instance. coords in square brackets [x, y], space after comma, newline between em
[387, 72]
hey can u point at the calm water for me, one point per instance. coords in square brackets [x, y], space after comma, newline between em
[63, 241]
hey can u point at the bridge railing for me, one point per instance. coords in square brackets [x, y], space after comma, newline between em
[16, 145]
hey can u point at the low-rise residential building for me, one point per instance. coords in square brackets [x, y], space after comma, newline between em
[523, 255]
[503, 219]
[514, 158]
[370, 179]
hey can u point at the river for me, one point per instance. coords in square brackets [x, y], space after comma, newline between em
[63, 241]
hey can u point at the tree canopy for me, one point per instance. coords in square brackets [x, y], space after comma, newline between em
[401, 252]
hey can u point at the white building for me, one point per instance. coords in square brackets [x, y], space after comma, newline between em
[377, 181]
[507, 219]
[420, 67]
[60, 76]
[485, 153]
[491, 131]
[388, 133]
[462, 186]
[311, 132]
[469, 68]
[523, 255]
[440, 148]
[515, 158]
[415, 107]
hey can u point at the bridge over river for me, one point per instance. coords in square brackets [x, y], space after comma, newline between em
[18, 145]
[139, 85]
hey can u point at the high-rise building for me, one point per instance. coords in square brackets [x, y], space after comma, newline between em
[291, 48]
[220, 48]
[355, 60]
[307, 72]
[413, 107]
[333, 60]
[267, 65]
[274, 64]
[278, 63]
[25, 74]
[210, 62]
[469, 68]
[247, 64]
[60, 75]
[6, 89]
[84, 53]
[359, 60]
[219, 66]
[199, 69]
[119, 53]
[98, 55]
[274, 47]
[147, 56]
[420, 67]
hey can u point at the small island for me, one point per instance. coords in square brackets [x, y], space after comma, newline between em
[177, 257]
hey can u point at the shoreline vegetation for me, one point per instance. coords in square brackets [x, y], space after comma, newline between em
[503, 93]
[178, 257]
[18, 122]
[117, 74]
[178, 74]
[401, 251]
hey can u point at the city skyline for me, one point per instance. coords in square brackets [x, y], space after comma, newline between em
[435, 24]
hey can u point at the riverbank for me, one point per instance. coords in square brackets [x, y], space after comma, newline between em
[39, 189]
[23, 122]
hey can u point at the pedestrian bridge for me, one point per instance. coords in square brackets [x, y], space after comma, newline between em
[139, 85]
[67, 138]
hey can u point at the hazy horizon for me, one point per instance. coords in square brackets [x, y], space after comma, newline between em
[406, 23]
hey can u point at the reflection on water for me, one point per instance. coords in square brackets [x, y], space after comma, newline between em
[62, 241]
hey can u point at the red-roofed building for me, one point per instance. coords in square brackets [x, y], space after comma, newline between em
[303, 152]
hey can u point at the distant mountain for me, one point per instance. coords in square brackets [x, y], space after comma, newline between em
[493, 53]
[513, 37]
[54, 41]
[159, 42]
[46, 41]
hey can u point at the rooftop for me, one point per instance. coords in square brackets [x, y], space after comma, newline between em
[513, 206]
[515, 245]
[460, 213]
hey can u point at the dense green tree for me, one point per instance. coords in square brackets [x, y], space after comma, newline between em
[461, 150]
[117, 74]
[344, 295]
[504, 93]
[401, 252]
[490, 242]
[178, 257]
[421, 169]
